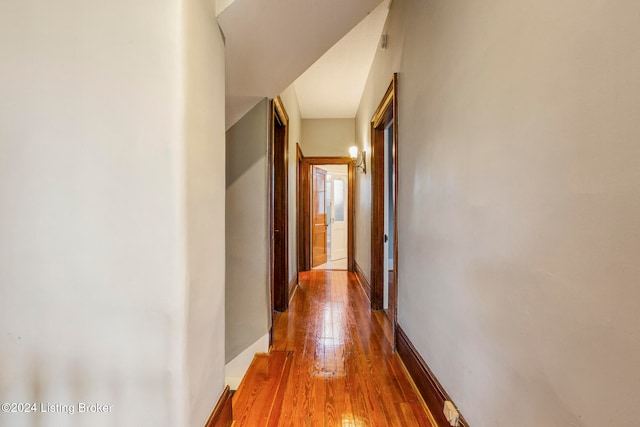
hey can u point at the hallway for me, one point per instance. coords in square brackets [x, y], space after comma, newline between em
[342, 372]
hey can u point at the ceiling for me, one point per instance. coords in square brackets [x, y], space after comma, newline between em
[270, 43]
[333, 85]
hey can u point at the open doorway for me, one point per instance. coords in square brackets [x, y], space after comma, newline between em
[325, 213]
[278, 161]
[384, 190]
[330, 222]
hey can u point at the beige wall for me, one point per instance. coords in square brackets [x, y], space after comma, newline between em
[103, 196]
[247, 226]
[327, 137]
[247, 222]
[519, 244]
[204, 126]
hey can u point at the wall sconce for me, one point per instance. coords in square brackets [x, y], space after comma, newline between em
[362, 163]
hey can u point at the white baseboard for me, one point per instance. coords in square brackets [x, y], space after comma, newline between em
[234, 370]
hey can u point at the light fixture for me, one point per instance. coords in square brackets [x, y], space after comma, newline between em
[362, 163]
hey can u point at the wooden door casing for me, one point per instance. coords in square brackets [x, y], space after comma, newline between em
[278, 168]
[304, 207]
[387, 113]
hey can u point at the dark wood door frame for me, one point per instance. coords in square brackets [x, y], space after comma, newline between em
[278, 206]
[301, 199]
[304, 207]
[386, 113]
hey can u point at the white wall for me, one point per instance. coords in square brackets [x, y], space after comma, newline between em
[327, 137]
[518, 204]
[290, 101]
[93, 254]
[205, 184]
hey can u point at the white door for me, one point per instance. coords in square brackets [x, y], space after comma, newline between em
[338, 217]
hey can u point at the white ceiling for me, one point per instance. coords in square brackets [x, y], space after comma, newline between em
[270, 43]
[333, 85]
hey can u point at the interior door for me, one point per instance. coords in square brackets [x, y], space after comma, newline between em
[338, 222]
[318, 218]
[279, 207]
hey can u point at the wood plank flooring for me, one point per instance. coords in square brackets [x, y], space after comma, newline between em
[342, 368]
[258, 402]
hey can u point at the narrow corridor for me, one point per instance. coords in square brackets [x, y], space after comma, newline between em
[342, 370]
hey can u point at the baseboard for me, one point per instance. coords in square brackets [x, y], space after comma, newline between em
[234, 370]
[426, 382]
[222, 415]
[292, 286]
[362, 279]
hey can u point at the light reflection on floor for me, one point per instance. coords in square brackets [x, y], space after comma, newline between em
[357, 422]
[339, 264]
[331, 342]
[344, 371]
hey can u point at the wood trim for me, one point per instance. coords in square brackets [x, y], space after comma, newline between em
[377, 217]
[379, 115]
[394, 298]
[306, 218]
[386, 112]
[305, 184]
[222, 415]
[279, 106]
[424, 379]
[364, 283]
[300, 212]
[279, 213]
[292, 284]
[304, 211]
[329, 160]
[351, 229]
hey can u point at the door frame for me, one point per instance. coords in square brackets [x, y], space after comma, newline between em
[278, 212]
[304, 207]
[387, 112]
[300, 204]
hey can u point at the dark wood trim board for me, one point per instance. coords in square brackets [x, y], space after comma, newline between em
[426, 382]
[222, 415]
[278, 205]
[301, 212]
[292, 284]
[364, 283]
[386, 113]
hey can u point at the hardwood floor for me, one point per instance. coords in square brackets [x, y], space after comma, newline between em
[340, 264]
[342, 368]
[258, 402]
